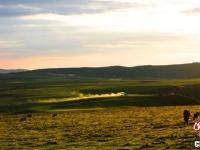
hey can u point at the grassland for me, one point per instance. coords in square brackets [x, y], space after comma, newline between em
[148, 116]
[113, 128]
[22, 93]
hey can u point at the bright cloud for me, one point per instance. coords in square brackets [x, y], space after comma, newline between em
[98, 32]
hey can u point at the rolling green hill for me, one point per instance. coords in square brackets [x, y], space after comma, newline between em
[6, 71]
[182, 71]
[50, 89]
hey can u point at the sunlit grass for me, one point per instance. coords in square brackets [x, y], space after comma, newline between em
[81, 96]
[109, 128]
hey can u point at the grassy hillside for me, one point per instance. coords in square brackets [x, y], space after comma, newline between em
[50, 92]
[96, 112]
[6, 71]
[182, 71]
[113, 128]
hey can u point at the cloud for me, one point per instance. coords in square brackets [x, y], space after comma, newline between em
[193, 11]
[31, 7]
[17, 10]
[131, 58]
[78, 43]
[98, 32]
[9, 44]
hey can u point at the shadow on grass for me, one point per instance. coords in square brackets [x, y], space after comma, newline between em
[139, 101]
[143, 101]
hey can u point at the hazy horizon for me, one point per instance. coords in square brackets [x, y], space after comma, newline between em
[98, 66]
[93, 33]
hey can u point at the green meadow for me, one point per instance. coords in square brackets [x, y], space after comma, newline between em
[96, 113]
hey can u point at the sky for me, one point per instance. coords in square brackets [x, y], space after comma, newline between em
[93, 33]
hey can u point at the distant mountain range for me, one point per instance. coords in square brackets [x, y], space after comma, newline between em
[6, 71]
[191, 70]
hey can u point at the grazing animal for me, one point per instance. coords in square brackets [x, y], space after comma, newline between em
[54, 114]
[186, 116]
[29, 115]
[22, 119]
[196, 116]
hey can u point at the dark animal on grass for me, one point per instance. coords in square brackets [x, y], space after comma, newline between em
[22, 119]
[186, 116]
[196, 116]
[54, 114]
[29, 115]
